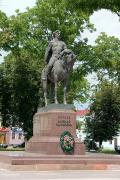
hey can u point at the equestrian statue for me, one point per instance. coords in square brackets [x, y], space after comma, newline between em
[59, 63]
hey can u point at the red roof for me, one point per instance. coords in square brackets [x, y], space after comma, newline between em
[4, 129]
[82, 112]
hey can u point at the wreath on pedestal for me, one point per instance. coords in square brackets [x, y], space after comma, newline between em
[67, 142]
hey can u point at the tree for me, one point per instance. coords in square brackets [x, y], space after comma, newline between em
[107, 54]
[94, 5]
[20, 91]
[6, 91]
[104, 120]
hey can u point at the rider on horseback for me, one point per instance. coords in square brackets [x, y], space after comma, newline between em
[53, 52]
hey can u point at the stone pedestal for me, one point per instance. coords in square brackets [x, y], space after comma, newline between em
[48, 125]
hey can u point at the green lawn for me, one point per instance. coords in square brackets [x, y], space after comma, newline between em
[12, 149]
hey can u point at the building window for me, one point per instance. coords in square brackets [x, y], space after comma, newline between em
[20, 135]
[13, 134]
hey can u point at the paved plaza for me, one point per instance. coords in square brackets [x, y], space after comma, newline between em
[60, 175]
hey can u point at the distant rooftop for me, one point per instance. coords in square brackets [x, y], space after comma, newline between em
[4, 129]
[82, 112]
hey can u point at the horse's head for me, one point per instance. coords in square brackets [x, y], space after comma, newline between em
[69, 59]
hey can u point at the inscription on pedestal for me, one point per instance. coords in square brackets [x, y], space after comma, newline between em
[63, 121]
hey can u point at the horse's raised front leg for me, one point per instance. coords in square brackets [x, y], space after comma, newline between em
[56, 100]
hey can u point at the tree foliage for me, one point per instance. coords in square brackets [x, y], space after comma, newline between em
[104, 120]
[20, 92]
[94, 5]
[107, 55]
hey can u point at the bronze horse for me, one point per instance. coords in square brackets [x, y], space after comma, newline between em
[59, 73]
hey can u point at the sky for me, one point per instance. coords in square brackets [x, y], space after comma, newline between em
[103, 20]
[9, 6]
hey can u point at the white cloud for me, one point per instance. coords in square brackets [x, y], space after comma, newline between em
[104, 21]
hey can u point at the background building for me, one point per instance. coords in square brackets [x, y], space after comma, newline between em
[80, 118]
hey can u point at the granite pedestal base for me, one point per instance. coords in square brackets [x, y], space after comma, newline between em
[48, 125]
[24, 161]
